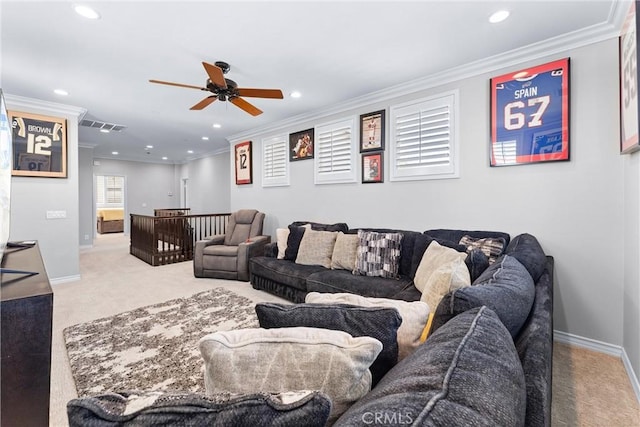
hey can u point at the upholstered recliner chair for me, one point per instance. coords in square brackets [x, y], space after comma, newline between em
[227, 256]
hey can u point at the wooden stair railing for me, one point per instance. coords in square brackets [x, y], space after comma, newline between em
[170, 238]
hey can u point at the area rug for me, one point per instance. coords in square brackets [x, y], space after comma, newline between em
[154, 347]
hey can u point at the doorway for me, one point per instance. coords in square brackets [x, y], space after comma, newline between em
[110, 204]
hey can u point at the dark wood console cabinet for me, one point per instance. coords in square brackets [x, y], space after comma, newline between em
[25, 340]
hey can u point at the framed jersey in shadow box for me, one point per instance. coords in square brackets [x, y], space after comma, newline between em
[39, 145]
[530, 115]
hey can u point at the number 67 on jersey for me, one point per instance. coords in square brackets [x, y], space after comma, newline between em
[530, 115]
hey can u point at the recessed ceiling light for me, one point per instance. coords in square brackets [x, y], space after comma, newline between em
[86, 12]
[295, 94]
[164, 158]
[115, 153]
[205, 138]
[190, 151]
[499, 16]
[217, 125]
[104, 130]
[149, 146]
[60, 92]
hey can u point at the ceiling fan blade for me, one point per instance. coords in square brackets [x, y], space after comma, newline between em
[260, 93]
[204, 103]
[246, 106]
[177, 84]
[215, 74]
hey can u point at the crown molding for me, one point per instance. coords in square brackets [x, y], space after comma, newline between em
[15, 101]
[547, 48]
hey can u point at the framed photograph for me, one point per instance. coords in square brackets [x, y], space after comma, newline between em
[373, 167]
[244, 168]
[39, 145]
[372, 131]
[629, 83]
[530, 115]
[301, 145]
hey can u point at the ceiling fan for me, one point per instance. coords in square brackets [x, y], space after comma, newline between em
[224, 89]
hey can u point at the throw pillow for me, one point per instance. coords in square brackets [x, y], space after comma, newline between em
[446, 278]
[316, 248]
[380, 323]
[282, 234]
[153, 408]
[378, 254]
[293, 241]
[285, 359]
[344, 252]
[526, 249]
[433, 258]
[467, 373]
[492, 247]
[414, 315]
[506, 287]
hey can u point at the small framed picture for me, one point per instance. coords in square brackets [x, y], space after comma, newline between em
[244, 155]
[301, 145]
[372, 131]
[373, 167]
[39, 145]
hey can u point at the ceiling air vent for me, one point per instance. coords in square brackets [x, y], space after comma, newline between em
[102, 125]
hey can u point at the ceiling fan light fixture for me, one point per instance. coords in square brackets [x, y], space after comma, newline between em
[499, 16]
[86, 11]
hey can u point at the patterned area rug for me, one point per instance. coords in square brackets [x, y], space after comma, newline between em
[154, 347]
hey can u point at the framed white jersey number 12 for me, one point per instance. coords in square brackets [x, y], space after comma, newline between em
[243, 155]
[39, 145]
[530, 115]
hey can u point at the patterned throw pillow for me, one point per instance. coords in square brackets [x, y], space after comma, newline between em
[378, 254]
[492, 247]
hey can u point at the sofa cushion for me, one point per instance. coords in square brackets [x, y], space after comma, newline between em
[414, 315]
[339, 226]
[285, 359]
[506, 287]
[444, 271]
[283, 271]
[467, 373]
[282, 235]
[454, 235]
[492, 247]
[344, 252]
[381, 323]
[526, 249]
[477, 262]
[378, 254]
[343, 281]
[316, 248]
[293, 242]
[153, 408]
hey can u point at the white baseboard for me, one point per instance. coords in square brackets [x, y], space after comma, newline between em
[601, 347]
[64, 279]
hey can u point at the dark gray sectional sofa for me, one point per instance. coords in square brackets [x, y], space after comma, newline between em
[510, 305]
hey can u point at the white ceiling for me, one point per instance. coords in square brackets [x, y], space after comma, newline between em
[330, 51]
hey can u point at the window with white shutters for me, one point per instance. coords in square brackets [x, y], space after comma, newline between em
[423, 139]
[109, 191]
[275, 162]
[335, 153]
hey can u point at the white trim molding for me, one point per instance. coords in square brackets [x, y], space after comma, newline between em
[65, 279]
[601, 347]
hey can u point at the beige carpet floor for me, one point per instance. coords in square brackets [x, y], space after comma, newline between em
[590, 389]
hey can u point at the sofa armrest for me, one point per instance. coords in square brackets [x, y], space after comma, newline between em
[271, 250]
[253, 247]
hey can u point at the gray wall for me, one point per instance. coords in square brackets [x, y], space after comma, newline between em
[86, 217]
[208, 188]
[32, 197]
[148, 186]
[575, 208]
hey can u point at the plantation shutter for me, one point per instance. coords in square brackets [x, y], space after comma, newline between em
[335, 153]
[275, 162]
[109, 191]
[423, 139]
